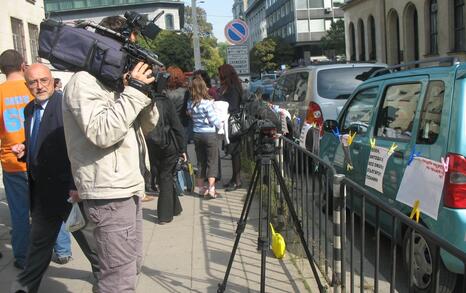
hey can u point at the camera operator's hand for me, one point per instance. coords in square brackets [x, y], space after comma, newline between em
[142, 73]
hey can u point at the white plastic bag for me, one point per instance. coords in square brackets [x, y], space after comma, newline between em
[75, 220]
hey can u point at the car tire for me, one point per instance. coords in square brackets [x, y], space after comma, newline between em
[423, 277]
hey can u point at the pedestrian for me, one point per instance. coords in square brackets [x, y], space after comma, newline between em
[212, 91]
[49, 176]
[14, 96]
[166, 145]
[231, 92]
[205, 125]
[108, 156]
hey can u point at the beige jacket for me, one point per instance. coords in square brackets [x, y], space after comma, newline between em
[103, 132]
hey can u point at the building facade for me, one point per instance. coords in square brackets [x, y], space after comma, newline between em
[96, 10]
[19, 27]
[401, 31]
[255, 17]
[239, 7]
[302, 22]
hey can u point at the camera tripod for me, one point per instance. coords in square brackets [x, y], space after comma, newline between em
[261, 172]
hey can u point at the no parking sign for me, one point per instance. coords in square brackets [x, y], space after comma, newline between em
[237, 32]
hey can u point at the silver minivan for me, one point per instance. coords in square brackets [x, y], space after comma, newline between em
[318, 92]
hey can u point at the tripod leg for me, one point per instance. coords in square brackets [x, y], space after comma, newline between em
[296, 222]
[264, 236]
[241, 224]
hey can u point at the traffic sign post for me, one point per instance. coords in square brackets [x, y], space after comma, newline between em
[237, 32]
[238, 57]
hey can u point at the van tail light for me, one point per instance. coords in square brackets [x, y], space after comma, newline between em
[455, 182]
[314, 115]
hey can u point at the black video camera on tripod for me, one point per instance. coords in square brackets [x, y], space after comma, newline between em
[105, 54]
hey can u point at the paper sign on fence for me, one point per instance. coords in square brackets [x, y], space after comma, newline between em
[378, 159]
[423, 180]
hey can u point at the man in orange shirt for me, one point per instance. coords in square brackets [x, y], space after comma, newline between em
[14, 96]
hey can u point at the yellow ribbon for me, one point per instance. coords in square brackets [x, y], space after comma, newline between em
[416, 212]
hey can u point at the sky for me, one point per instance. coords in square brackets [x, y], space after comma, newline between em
[218, 14]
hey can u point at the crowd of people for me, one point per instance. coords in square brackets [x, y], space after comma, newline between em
[106, 151]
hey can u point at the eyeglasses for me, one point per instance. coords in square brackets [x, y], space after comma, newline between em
[34, 83]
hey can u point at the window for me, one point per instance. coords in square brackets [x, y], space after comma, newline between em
[431, 114]
[317, 25]
[372, 49]
[395, 119]
[316, 4]
[433, 26]
[284, 88]
[19, 40]
[348, 79]
[169, 24]
[300, 91]
[459, 25]
[359, 112]
[34, 41]
[301, 4]
[303, 26]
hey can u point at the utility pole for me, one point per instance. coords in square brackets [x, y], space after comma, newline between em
[197, 49]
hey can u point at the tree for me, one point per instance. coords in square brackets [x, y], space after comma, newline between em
[173, 49]
[205, 27]
[222, 48]
[269, 53]
[335, 37]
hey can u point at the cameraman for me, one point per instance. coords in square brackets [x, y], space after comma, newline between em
[108, 158]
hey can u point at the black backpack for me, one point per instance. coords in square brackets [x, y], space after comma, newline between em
[162, 135]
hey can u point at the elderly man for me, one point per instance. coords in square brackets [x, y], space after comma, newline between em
[49, 175]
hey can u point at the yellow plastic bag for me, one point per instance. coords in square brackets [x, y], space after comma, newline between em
[278, 243]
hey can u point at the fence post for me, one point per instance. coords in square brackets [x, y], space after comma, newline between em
[279, 158]
[337, 237]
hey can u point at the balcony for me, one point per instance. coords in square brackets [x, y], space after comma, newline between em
[66, 5]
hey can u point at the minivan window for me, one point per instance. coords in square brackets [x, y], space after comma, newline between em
[300, 90]
[359, 112]
[395, 118]
[339, 83]
[285, 87]
[431, 114]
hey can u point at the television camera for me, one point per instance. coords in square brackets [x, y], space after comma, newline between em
[106, 54]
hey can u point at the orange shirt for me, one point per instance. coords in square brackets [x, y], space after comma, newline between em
[14, 96]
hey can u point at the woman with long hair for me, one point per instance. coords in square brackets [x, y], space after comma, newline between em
[231, 91]
[205, 124]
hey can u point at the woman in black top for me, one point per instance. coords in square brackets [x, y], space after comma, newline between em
[231, 91]
[165, 158]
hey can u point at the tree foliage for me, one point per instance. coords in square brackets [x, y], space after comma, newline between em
[222, 48]
[269, 54]
[173, 49]
[335, 37]
[205, 27]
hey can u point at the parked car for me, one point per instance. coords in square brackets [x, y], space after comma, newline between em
[318, 92]
[423, 111]
[266, 83]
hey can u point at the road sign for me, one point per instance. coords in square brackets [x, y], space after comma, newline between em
[238, 57]
[237, 32]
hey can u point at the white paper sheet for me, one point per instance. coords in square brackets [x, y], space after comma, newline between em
[376, 165]
[423, 180]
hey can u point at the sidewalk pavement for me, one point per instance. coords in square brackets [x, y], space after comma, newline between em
[189, 254]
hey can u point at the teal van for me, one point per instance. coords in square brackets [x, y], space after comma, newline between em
[421, 111]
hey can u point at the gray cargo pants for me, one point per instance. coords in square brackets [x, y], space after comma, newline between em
[118, 234]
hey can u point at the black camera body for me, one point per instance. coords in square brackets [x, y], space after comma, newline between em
[266, 132]
[107, 55]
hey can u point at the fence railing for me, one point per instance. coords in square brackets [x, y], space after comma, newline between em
[345, 228]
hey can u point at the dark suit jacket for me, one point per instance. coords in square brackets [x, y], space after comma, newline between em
[49, 171]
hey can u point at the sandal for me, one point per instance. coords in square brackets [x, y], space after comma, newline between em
[211, 192]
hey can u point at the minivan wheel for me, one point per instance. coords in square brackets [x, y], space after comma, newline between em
[423, 265]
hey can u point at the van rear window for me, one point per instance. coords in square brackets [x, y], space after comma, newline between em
[339, 83]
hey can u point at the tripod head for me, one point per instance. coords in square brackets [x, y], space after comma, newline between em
[266, 135]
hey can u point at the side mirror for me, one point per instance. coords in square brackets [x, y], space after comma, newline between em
[330, 125]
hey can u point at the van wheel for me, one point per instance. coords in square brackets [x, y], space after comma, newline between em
[423, 265]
